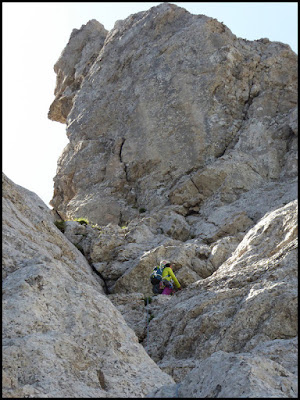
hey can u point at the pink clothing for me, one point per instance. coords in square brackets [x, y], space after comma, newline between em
[167, 291]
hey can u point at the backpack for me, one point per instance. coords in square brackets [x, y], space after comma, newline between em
[156, 275]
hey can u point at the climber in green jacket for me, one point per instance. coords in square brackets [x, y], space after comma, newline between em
[169, 279]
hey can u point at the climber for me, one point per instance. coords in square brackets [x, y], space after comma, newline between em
[169, 279]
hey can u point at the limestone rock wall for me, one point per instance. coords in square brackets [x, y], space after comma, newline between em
[175, 110]
[62, 337]
[241, 304]
[241, 322]
[182, 146]
[230, 375]
[74, 63]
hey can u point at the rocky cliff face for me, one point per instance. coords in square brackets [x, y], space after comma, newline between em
[183, 146]
[175, 110]
[62, 337]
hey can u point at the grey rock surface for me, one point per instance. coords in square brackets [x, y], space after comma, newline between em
[61, 336]
[229, 375]
[183, 146]
[248, 305]
[74, 63]
[177, 110]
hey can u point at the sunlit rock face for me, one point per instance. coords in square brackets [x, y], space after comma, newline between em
[237, 331]
[173, 109]
[62, 337]
[74, 63]
[183, 147]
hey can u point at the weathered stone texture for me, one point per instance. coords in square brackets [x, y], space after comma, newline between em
[62, 337]
[73, 65]
[229, 375]
[176, 99]
[182, 146]
[250, 300]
